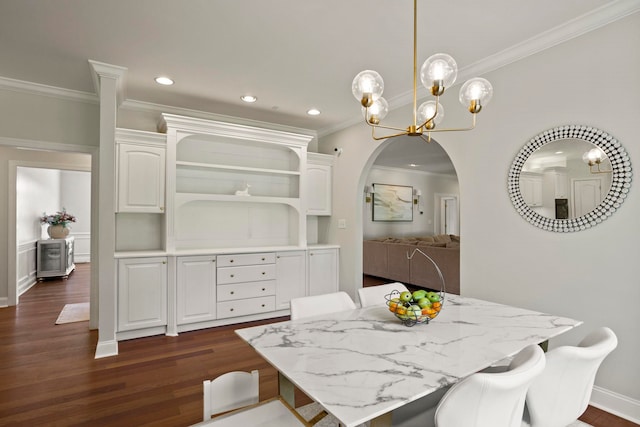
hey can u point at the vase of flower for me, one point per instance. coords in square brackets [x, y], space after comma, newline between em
[58, 223]
[57, 231]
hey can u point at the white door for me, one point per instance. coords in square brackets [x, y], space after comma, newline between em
[449, 223]
[586, 195]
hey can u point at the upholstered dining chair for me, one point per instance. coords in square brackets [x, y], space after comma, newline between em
[562, 392]
[375, 295]
[482, 399]
[316, 305]
[234, 398]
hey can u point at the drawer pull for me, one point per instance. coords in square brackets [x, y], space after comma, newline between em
[263, 289]
[263, 273]
[263, 305]
[230, 260]
[232, 275]
[262, 259]
[232, 292]
[231, 309]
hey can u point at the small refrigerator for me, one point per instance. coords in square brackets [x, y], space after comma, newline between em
[54, 258]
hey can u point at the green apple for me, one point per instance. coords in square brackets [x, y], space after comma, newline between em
[433, 296]
[424, 302]
[419, 294]
[405, 296]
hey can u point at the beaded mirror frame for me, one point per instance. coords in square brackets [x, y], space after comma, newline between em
[620, 182]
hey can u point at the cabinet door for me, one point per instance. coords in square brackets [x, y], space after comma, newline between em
[290, 277]
[196, 289]
[141, 174]
[142, 293]
[323, 271]
[319, 189]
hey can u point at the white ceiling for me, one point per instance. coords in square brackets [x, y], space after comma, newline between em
[291, 54]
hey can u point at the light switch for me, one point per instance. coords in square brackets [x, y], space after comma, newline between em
[342, 223]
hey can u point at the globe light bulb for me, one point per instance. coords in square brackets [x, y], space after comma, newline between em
[367, 87]
[427, 110]
[438, 72]
[376, 112]
[476, 93]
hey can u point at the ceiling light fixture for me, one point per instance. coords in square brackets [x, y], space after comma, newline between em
[249, 98]
[313, 112]
[163, 80]
[595, 157]
[437, 73]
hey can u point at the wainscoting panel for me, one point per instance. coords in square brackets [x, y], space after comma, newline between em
[82, 247]
[26, 266]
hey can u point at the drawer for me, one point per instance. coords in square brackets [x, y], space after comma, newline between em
[248, 273]
[246, 259]
[245, 307]
[246, 290]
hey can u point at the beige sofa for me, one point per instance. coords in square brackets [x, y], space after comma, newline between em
[387, 258]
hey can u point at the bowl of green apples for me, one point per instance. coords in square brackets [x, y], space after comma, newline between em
[415, 307]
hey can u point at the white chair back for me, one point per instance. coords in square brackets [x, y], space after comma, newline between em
[375, 295]
[316, 305]
[562, 392]
[492, 400]
[230, 391]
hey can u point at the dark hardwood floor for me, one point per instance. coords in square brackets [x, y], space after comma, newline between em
[49, 376]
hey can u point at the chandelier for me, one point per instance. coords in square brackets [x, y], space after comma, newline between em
[438, 72]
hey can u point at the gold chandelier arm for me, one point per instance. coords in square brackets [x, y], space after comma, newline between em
[473, 125]
[380, 138]
[373, 126]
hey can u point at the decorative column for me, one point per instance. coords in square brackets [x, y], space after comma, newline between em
[109, 83]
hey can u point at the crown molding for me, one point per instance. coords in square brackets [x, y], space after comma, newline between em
[44, 90]
[569, 30]
[115, 72]
[149, 107]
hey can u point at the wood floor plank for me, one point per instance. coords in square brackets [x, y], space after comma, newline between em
[49, 376]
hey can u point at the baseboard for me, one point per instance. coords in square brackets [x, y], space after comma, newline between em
[4, 302]
[106, 349]
[616, 404]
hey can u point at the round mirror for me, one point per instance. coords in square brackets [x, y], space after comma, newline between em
[569, 178]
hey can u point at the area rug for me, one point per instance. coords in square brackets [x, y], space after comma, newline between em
[310, 410]
[74, 313]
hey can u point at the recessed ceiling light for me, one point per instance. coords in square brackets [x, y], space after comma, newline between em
[413, 165]
[559, 152]
[162, 80]
[313, 112]
[249, 98]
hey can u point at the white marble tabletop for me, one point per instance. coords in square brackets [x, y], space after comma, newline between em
[363, 363]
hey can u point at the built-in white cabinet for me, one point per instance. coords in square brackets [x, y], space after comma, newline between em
[140, 171]
[531, 189]
[246, 284]
[142, 293]
[291, 277]
[323, 271]
[196, 289]
[234, 186]
[230, 243]
[319, 182]
[560, 184]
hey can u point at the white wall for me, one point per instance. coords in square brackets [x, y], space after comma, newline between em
[423, 223]
[590, 275]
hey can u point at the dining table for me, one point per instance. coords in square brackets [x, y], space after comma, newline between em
[362, 364]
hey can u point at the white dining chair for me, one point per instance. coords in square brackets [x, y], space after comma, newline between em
[481, 399]
[562, 392]
[316, 305]
[233, 398]
[375, 295]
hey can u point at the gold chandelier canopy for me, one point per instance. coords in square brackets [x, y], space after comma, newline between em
[437, 73]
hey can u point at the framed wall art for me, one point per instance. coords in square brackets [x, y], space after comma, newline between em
[392, 202]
